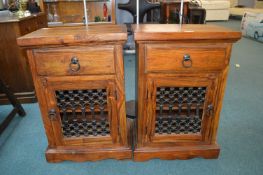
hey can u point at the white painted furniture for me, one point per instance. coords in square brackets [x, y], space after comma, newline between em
[216, 9]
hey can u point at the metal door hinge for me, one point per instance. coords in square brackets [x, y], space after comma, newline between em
[210, 110]
[44, 82]
[52, 114]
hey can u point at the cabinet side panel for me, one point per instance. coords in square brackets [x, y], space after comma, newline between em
[141, 94]
[120, 94]
[220, 96]
[39, 87]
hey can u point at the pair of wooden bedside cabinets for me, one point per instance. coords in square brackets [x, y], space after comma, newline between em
[79, 80]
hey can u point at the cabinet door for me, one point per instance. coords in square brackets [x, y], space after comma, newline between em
[83, 110]
[179, 109]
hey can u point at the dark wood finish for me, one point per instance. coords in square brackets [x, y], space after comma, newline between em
[163, 54]
[196, 15]
[100, 59]
[81, 154]
[18, 109]
[14, 66]
[170, 12]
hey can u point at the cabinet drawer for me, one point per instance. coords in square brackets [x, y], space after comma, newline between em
[75, 61]
[172, 58]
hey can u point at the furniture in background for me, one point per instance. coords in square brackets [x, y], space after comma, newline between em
[259, 4]
[216, 9]
[153, 16]
[13, 63]
[233, 3]
[238, 11]
[255, 4]
[246, 3]
[71, 12]
[18, 109]
[196, 15]
[252, 25]
[170, 12]
[79, 78]
[145, 6]
[182, 76]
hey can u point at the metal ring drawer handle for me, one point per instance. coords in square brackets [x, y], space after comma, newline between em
[74, 64]
[187, 62]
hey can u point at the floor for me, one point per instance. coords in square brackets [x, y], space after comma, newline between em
[23, 144]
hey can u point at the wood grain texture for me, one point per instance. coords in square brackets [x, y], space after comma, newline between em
[120, 90]
[57, 61]
[141, 95]
[40, 83]
[188, 32]
[15, 18]
[168, 11]
[75, 35]
[85, 154]
[14, 66]
[101, 67]
[203, 58]
[160, 52]
[178, 80]
[182, 152]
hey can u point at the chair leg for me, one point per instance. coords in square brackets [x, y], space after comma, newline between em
[13, 100]
[16, 104]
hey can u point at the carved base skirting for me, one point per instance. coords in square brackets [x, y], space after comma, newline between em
[179, 152]
[25, 97]
[54, 155]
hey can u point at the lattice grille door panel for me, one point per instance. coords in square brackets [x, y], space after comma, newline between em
[179, 110]
[83, 112]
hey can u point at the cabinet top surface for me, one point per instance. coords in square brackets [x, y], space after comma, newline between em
[168, 32]
[72, 35]
[13, 18]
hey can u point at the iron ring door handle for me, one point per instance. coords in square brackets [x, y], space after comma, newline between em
[187, 62]
[74, 64]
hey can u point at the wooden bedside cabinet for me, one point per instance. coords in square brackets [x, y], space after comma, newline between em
[181, 81]
[79, 79]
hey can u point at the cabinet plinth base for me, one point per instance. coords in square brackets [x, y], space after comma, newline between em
[182, 152]
[54, 155]
[24, 97]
